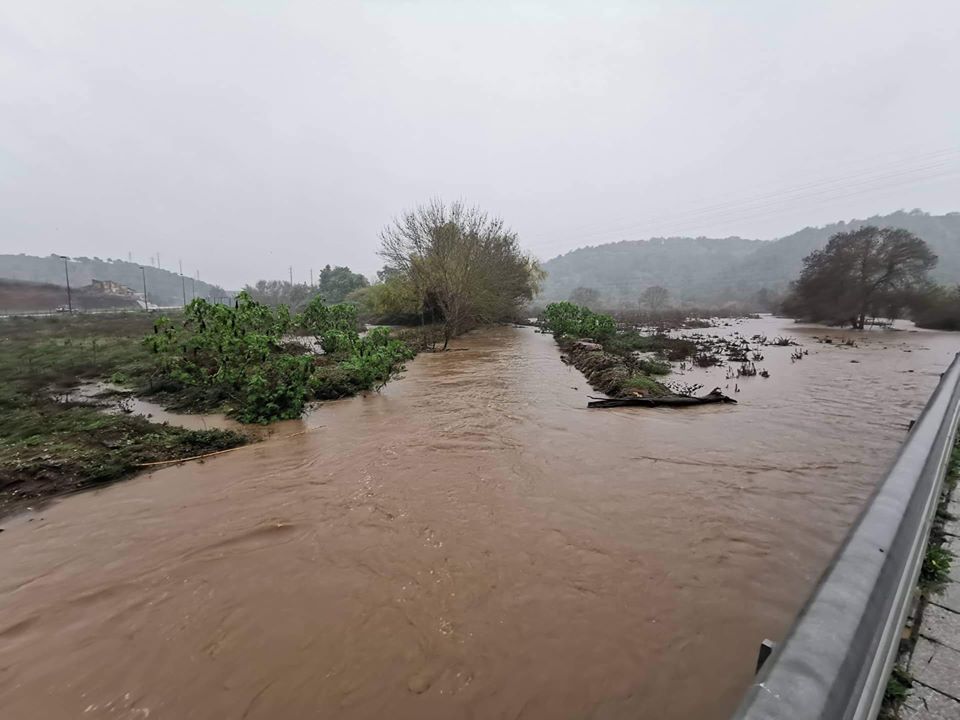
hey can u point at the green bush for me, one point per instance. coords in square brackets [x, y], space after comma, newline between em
[334, 326]
[339, 342]
[646, 385]
[565, 318]
[330, 382]
[236, 353]
[375, 364]
[238, 356]
[276, 390]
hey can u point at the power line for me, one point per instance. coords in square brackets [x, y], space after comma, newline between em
[731, 217]
[923, 160]
[769, 210]
[872, 180]
[775, 200]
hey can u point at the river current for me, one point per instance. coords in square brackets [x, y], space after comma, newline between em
[471, 542]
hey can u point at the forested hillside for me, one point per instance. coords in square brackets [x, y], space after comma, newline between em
[723, 269]
[163, 286]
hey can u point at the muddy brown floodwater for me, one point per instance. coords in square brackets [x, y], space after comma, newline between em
[471, 543]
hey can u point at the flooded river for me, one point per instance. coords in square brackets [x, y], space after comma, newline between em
[471, 543]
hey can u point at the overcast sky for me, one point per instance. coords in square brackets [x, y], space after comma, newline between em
[247, 136]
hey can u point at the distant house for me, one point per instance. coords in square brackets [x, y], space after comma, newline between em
[111, 287]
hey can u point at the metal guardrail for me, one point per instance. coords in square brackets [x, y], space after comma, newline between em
[835, 660]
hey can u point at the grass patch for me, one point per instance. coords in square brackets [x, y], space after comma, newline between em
[646, 386]
[953, 470]
[653, 366]
[935, 572]
[49, 444]
[897, 690]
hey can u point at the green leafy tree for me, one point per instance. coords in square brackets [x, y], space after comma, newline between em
[335, 284]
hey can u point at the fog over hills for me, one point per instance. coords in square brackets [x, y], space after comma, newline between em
[732, 268]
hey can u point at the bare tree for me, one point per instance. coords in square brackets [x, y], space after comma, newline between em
[464, 267]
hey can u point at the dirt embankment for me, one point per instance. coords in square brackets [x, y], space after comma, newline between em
[604, 371]
[612, 374]
[21, 296]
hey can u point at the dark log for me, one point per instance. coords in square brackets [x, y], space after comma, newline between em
[715, 396]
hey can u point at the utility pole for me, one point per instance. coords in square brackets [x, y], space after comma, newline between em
[183, 284]
[66, 271]
[146, 303]
[311, 277]
[291, 274]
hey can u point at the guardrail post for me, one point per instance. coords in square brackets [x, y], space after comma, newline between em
[766, 649]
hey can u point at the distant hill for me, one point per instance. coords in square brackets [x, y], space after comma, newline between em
[163, 286]
[725, 269]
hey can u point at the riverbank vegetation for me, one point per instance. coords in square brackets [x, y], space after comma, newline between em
[654, 311]
[51, 440]
[251, 360]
